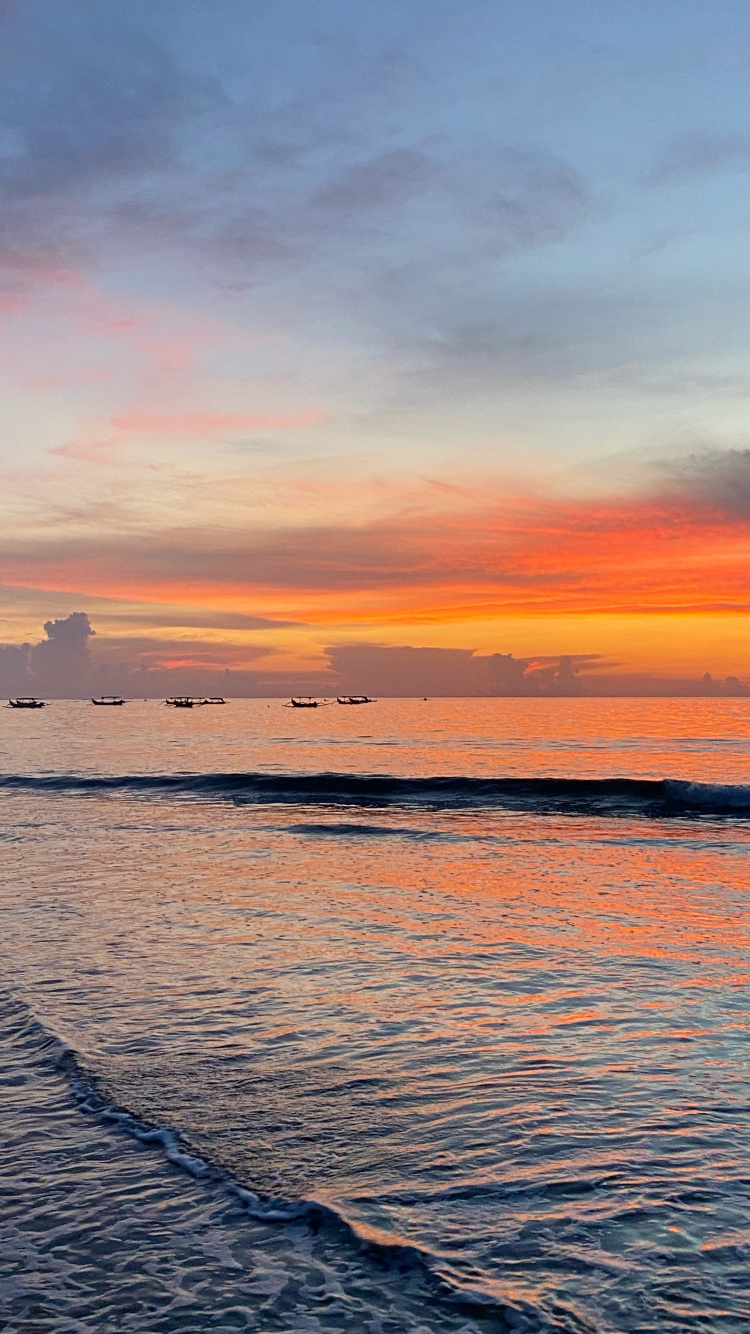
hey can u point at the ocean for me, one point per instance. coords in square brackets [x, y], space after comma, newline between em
[424, 1015]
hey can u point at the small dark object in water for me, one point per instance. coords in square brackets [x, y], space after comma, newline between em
[110, 700]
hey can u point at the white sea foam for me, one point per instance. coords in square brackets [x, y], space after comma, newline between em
[709, 796]
[197, 1256]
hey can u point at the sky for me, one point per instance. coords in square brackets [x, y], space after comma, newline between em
[329, 331]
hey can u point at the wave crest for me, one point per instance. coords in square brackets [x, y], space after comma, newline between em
[605, 796]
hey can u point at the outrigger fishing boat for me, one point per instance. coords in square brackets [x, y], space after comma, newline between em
[110, 701]
[355, 699]
[305, 702]
[26, 702]
[182, 701]
[212, 699]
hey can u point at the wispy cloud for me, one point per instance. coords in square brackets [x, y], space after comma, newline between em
[88, 451]
[127, 144]
[207, 425]
[699, 154]
[193, 620]
[680, 546]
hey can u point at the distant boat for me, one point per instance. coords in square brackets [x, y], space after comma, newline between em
[355, 699]
[26, 702]
[182, 701]
[111, 700]
[213, 699]
[303, 702]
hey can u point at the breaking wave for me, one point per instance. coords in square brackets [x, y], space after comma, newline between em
[440, 1276]
[606, 796]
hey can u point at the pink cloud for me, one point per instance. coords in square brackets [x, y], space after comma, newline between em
[11, 304]
[67, 380]
[206, 425]
[93, 451]
[179, 425]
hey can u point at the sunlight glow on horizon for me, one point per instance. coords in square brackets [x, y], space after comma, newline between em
[408, 330]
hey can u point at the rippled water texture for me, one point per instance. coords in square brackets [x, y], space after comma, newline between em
[462, 1056]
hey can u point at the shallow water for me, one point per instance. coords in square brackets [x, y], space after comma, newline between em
[482, 1045]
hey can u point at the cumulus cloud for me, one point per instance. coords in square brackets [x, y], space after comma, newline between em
[63, 665]
[381, 669]
[15, 678]
[58, 665]
[68, 636]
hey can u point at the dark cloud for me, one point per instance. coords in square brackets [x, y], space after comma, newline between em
[93, 105]
[63, 665]
[63, 657]
[15, 676]
[406, 671]
[385, 555]
[700, 154]
[379, 669]
[520, 199]
[390, 178]
[104, 111]
[382, 669]
[719, 478]
[68, 635]
[58, 665]
[666, 543]
[120, 135]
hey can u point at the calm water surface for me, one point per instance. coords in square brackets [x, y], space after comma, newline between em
[296, 1037]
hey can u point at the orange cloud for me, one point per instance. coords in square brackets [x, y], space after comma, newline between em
[674, 553]
[652, 581]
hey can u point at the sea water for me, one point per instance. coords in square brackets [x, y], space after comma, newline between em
[421, 1015]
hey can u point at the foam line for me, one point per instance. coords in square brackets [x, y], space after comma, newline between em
[460, 1290]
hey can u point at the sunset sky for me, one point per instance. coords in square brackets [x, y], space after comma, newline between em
[387, 322]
